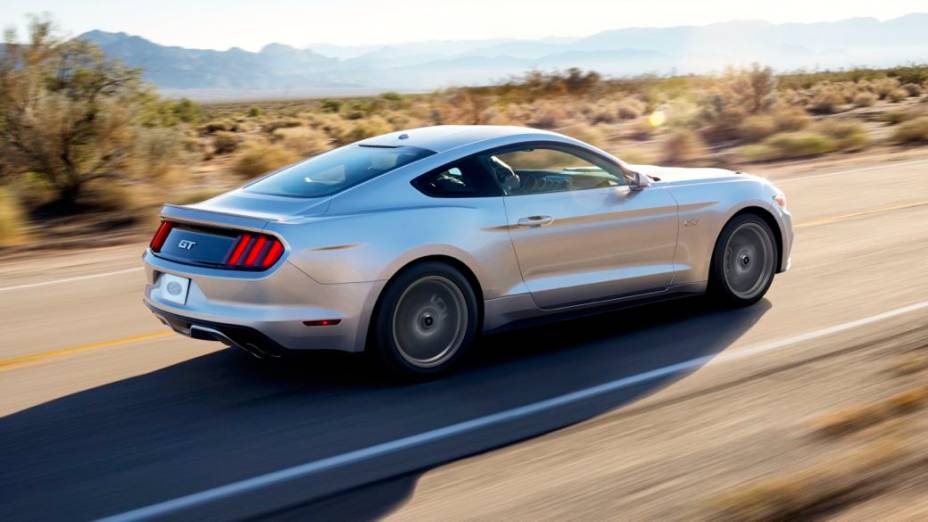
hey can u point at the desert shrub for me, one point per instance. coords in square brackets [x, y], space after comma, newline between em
[587, 133]
[193, 196]
[302, 140]
[898, 116]
[114, 196]
[791, 119]
[256, 159]
[603, 115]
[642, 130]
[156, 152]
[12, 220]
[226, 142]
[629, 108]
[882, 87]
[912, 131]
[847, 135]
[788, 145]
[219, 126]
[254, 112]
[548, 115]
[897, 95]
[827, 99]
[913, 89]
[732, 98]
[67, 113]
[362, 129]
[683, 146]
[757, 127]
[864, 99]
[282, 123]
[330, 106]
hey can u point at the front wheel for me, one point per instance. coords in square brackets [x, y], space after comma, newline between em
[743, 262]
[426, 320]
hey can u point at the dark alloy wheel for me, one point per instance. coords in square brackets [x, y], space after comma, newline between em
[425, 321]
[744, 261]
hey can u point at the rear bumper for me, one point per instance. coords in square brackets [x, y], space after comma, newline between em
[263, 311]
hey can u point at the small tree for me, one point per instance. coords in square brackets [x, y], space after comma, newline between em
[67, 113]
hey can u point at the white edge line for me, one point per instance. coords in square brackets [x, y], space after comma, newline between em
[70, 279]
[310, 468]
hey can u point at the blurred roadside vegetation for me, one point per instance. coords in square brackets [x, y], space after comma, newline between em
[83, 134]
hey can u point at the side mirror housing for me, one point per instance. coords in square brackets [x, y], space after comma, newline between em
[639, 181]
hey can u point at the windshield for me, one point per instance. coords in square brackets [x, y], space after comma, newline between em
[336, 170]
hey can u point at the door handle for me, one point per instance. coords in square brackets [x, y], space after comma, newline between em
[535, 221]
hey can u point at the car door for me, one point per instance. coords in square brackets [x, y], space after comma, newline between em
[580, 233]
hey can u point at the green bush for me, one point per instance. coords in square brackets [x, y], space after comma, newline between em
[788, 145]
[254, 112]
[847, 135]
[912, 131]
[898, 116]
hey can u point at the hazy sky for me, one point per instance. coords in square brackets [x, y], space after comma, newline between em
[220, 24]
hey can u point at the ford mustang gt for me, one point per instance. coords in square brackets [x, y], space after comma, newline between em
[411, 244]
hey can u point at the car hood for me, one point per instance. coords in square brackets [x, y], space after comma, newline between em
[685, 175]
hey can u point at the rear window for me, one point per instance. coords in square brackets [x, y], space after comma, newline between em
[337, 170]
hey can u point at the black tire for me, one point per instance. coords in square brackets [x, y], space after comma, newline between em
[744, 261]
[426, 320]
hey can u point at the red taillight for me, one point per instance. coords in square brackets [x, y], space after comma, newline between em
[255, 251]
[162, 233]
[239, 249]
[273, 254]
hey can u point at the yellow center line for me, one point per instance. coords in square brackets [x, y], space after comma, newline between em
[868, 212]
[21, 360]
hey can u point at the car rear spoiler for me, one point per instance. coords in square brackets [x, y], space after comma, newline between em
[182, 214]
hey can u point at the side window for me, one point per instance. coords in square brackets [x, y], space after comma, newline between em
[466, 178]
[540, 170]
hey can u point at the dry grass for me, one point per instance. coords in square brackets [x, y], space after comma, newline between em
[865, 99]
[256, 159]
[226, 142]
[856, 418]
[303, 140]
[683, 146]
[815, 490]
[12, 220]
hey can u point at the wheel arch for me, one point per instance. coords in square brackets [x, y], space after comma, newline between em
[771, 222]
[454, 262]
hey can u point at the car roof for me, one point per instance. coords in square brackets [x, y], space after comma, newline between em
[440, 138]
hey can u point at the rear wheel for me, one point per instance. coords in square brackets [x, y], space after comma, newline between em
[743, 262]
[426, 320]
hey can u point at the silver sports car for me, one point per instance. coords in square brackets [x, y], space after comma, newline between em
[411, 244]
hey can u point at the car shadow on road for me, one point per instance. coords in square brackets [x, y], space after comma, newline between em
[223, 417]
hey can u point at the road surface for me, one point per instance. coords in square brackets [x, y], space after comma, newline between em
[107, 414]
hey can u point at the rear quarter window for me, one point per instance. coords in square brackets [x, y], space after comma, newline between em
[337, 170]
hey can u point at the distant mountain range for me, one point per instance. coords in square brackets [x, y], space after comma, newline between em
[280, 70]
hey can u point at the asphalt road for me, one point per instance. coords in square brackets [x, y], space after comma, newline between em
[105, 413]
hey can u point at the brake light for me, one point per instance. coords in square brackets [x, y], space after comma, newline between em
[255, 251]
[160, 235]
